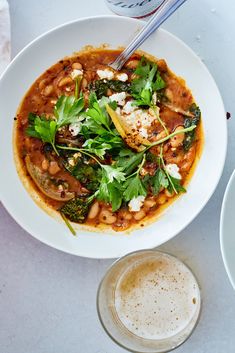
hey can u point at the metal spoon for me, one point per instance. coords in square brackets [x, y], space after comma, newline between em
[166, 9]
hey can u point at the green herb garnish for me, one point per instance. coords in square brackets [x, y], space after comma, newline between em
[66, 112]
[190, 136]
[147, 82]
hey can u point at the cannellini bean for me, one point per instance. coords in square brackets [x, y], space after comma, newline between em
[86, 97]
[177, 140]
[107, 217]
[188, 159]
[47, 91]
[65, 81]
[94, 210]
[42, 84]
[109, 92]
[162, 65]
[161, 199]
[36, 99]
[168, 193]
[133, 76]
[169, 94]
[161, 135]
[53, 168]
[175, 158]
[84, 83]
[45, 164]
[132, 64]
[77, 66]
[121, 225]
[139, 215]
[125, 215]
[149, 203]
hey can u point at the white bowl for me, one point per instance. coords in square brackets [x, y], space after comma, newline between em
[62, 41]
[227, 229]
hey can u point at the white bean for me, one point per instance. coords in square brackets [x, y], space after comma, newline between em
[139, 215]
[64, 81]
[77, 66]
[45, 164]
[177, 140]
[48, 90]
[107, 217]
[94, 210]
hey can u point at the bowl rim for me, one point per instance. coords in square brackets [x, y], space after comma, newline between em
[222, 233]
[219, 172]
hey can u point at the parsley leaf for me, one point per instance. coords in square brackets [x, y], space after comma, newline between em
[159, 180]
[97, 147]
[110, 173]
[92, 126]
[98, 113]
[110, 187]
[148, 81]
[129, 160]
[159, 83]
[134, 187]
[175, 185]
[67, 109]
[42, 128]
[111, 193]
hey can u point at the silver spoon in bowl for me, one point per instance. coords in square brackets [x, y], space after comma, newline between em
[167, 8]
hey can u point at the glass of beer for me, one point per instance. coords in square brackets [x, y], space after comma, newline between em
[149, 301]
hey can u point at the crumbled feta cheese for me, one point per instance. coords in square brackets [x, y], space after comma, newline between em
[122, 77]
[155, 113]
[143, 132]
[105, 74]
[154, 97]
[60, 187]
[173, 170]
[118, 110]
[136, 203]
[77, 155]
[119, 98]
[75, 73]
[71, 162]
[128, 107]
[75, 128]
[144, 118]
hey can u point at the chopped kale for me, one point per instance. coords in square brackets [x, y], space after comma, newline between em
[190, 136]
[100, 87]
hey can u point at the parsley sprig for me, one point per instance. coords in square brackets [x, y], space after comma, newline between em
[170, 183]
[66, 111]
[134, 186]
[147, 82]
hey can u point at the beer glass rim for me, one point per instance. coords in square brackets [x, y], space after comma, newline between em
[110, 268]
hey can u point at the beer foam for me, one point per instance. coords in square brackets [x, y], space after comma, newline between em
[157, 297]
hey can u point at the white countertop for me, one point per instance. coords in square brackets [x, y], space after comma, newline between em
[47, 298]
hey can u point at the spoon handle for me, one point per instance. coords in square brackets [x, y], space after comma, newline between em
[167, 8]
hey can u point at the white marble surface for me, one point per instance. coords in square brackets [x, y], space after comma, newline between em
[47, 298]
